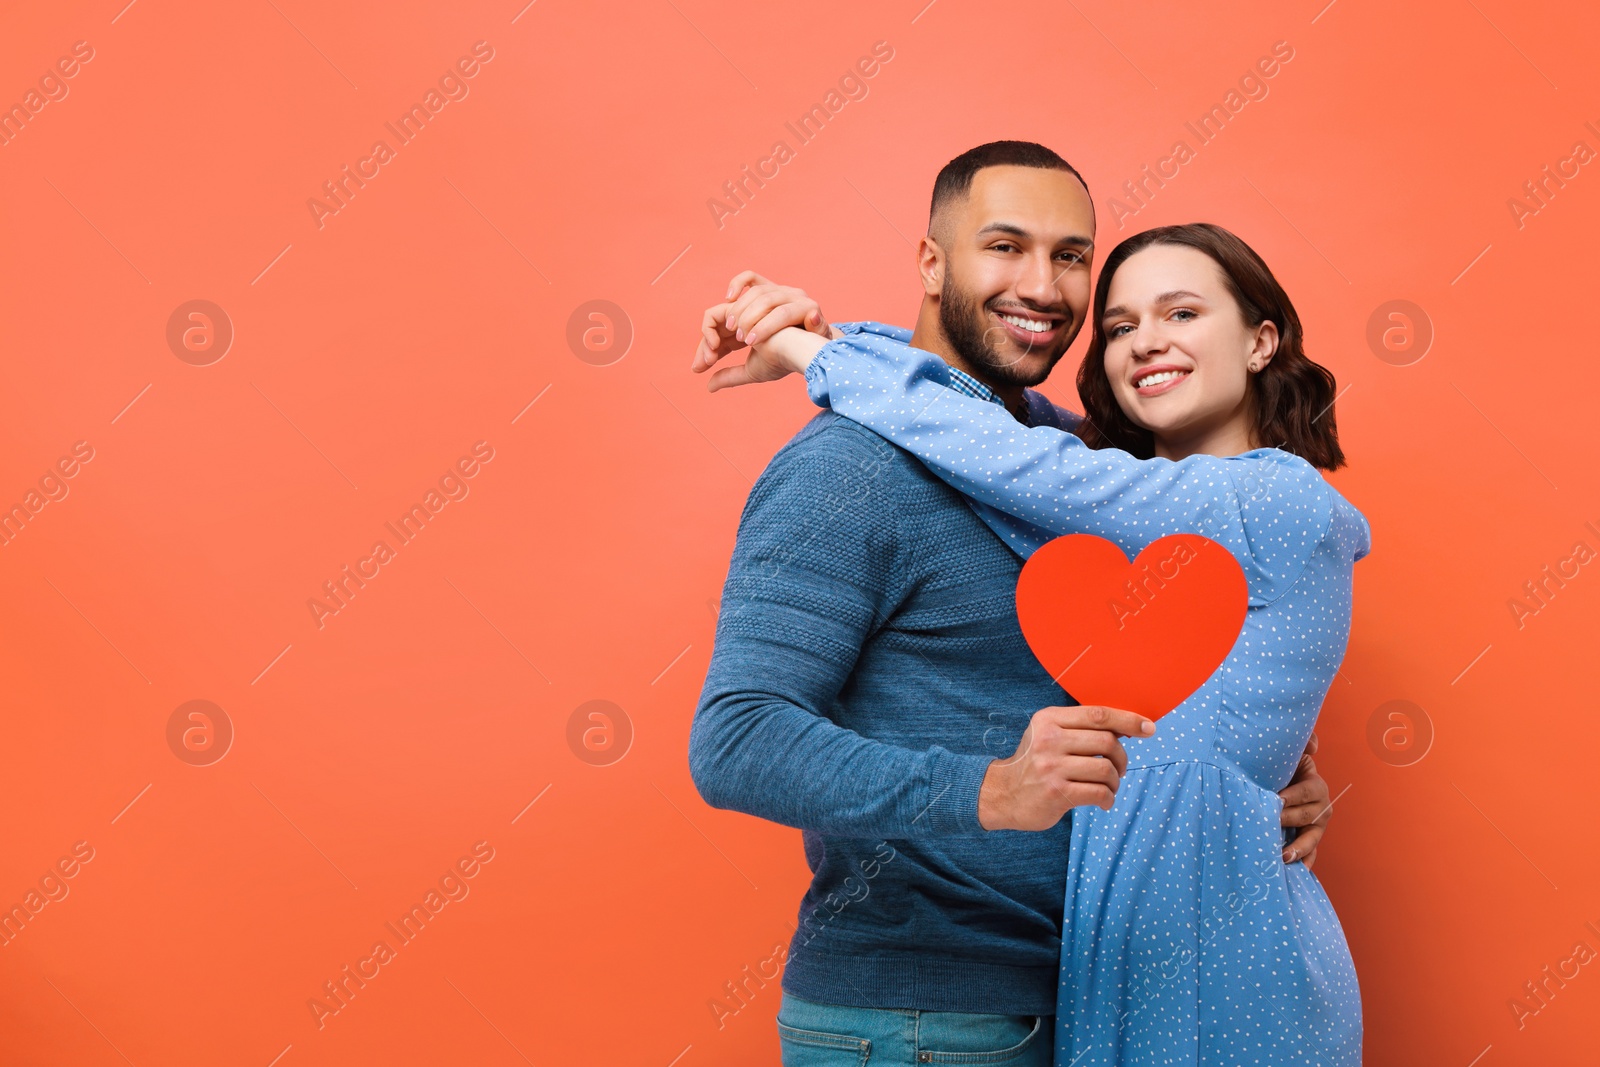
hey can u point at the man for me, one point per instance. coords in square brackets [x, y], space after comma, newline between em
[871, 685]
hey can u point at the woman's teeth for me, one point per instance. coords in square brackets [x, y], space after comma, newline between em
[1160, 378]
[1031, 325]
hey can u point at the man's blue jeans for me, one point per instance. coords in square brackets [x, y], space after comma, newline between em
[831, 1035]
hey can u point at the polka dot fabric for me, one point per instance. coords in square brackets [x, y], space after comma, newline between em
[1186, 939]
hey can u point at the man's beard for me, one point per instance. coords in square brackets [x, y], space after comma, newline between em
[963, 322]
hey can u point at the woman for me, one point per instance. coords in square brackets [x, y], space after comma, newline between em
[1186, 938]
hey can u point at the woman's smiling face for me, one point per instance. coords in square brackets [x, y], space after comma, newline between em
[1179, 354]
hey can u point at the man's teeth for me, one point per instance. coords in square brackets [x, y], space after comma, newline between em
[1159, 378]
[1031, 325]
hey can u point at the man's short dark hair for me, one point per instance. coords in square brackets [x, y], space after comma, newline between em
[955, 180]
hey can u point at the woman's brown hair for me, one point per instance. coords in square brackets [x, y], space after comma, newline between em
[1293, 396]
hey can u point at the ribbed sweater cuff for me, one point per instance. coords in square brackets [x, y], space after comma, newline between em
[954, 781]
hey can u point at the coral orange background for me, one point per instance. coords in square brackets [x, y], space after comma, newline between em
[374, 350]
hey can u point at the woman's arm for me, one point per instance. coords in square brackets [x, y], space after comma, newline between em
[1049, 477]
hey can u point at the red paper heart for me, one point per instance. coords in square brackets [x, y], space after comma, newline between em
[1142, 635]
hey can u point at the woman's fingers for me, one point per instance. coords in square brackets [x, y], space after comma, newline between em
[705, 357]
[768, 295]
[794, 313]
[755, 313]
[729, 377]
[1311, 817]
[1306, 801]
[756, 303]
[1304, 814]
[1306, 787]
[1312, 791]
[736, 306]
[1303, 848]
[754, 306]
[715, 340]
[742, 281]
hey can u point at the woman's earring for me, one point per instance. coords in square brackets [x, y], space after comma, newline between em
[1254, 367]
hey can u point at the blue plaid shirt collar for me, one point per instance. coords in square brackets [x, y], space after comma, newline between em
[962, 382]
[966, 384]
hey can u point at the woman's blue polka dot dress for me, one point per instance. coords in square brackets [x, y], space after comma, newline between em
[1186, 939]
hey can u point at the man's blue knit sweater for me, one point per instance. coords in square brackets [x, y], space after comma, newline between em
[868, 667]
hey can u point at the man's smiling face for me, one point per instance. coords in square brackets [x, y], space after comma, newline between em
[1015, 289]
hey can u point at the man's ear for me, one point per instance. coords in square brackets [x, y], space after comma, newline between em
[930, 264]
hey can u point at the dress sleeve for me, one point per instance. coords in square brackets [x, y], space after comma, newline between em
[1267, 507]
[1042, 411]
